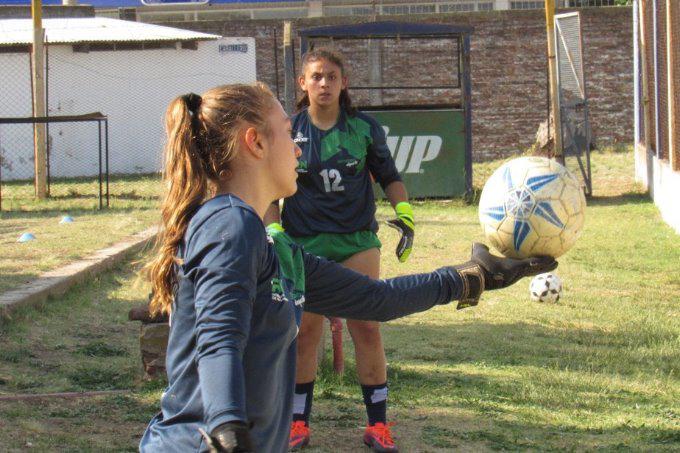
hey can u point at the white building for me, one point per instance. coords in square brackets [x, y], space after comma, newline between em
[129, 71]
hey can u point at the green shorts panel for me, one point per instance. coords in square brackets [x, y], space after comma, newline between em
[339, 247]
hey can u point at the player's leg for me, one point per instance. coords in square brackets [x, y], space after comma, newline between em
[306, 362]
[370, 359]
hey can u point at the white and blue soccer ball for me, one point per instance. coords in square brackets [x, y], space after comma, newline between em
[532, 206]
[545, 288]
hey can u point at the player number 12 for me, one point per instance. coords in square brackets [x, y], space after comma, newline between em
[331, 180]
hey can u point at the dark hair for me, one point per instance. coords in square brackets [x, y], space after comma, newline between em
[335, 58]
[202, 134]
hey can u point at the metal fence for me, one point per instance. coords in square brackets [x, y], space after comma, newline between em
[573, 99]
[657, 115]
[131, 85]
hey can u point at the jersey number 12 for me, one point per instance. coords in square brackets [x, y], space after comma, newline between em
[331, 180]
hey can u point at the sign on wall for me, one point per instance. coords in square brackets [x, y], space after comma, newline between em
[428, 147]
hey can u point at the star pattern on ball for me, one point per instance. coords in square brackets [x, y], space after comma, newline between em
[521, 204]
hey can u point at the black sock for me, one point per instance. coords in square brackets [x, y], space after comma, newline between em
[375, 399]
[302, 404]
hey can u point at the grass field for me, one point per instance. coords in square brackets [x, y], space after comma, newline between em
[599, 370]
[133, 208]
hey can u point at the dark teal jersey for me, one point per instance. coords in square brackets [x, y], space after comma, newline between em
[235, 316]
[335, 190]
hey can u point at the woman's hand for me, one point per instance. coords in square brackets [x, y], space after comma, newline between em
[487, 271]
[406, 227]
[231, 437]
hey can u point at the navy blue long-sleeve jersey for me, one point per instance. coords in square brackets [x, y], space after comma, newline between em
[335, 191]
[231, 350]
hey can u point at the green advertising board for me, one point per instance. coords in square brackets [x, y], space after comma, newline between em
[428, 147]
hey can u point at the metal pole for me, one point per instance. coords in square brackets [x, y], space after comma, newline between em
[552, 70]
[673, 152]
[656, 80]
[276, 64]
[289, 73]
[636, 74]
[47, 113]
[467, 106]
[99, 128]
[39, 101]
[646, 111]
[106, 151]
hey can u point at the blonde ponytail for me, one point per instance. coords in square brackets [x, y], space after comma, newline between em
[202, 136]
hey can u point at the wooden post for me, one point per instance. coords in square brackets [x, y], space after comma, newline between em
[647, 112]
[289, 76]
[673, 152]
[39, 142]
[552, 70]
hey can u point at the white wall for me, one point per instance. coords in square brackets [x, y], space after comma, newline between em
[131, 87]
[662, 182]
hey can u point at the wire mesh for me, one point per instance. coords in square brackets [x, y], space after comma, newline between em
[15, 101]
[650, 38]
[675, 30]
[132, 84]
[573, 99]
[662, 78]
[382, 73]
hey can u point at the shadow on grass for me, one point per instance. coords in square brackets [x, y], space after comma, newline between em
[504, 380]
[612, 353]
[617, 200]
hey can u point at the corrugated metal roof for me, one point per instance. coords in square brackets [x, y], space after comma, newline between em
[93, 29]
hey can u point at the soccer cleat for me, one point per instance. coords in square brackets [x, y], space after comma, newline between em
[378, 438]
[299, 436]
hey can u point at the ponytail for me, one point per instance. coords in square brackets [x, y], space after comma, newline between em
[186, 187]
[202, 139]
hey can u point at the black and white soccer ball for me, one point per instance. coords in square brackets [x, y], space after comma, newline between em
[545, 288]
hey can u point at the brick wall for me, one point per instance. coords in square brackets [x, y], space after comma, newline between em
[509, 70]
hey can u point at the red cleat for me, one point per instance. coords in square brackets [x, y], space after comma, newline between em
[378, 438]
[299, 436]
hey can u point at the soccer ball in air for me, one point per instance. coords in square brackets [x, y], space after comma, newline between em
[532, 206]
[545, 288]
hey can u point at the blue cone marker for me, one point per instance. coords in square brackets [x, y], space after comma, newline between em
[26, 237]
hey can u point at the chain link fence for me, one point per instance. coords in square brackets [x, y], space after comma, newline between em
[129, 83]
[658, 113]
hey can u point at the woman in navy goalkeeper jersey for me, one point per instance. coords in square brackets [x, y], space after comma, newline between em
[333, 215]
[235, 295]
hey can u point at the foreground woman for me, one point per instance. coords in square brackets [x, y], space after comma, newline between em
[234, 305]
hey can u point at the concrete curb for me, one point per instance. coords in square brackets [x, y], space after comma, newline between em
[58, 281]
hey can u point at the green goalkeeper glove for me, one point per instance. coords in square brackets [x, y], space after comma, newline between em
[404, 224]
[275, 227]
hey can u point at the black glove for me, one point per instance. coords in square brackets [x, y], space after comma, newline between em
[486, 271]
[231, 437]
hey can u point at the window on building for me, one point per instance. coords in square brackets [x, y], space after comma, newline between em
[485, 6]
[287, 13]
[448, 7]
[422, 9]
[395, 9]
[527, 5]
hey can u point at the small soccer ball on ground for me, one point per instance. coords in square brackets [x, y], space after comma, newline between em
[532, 206]
[545, 288]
